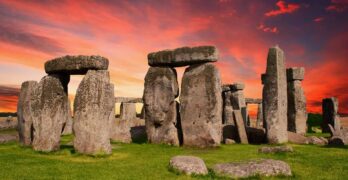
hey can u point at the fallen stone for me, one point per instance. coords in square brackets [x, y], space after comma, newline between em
[161, 117]
[336, 141]
[94, 113]
[128, 111]
[49, 104]
[76, 64]
[297, 138]
[264, 167]
[275, 149]
[188, 165]
[229, 141]
[201, 106]
[274, 97]
[24, 113]
[243, 138]
[315, 140]
[183, 56]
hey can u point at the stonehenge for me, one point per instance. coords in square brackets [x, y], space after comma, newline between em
[274, 97]
[330, 114]
[297, 114]
[127, 111]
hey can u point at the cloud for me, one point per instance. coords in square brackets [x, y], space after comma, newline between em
[8, 98]
[9, 91]
[284, 8]
[319, 19]
[264, 28]
[338, 5]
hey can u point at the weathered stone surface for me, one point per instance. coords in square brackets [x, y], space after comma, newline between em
[188, 165]
[9, 123]
[256, 135]
[142, 114]
[295, 73]
[230, 131]
[315, 140]
[259, 118]
[339, 136]
[229, 141]
[183, 56]
[5, 138]
[24, 113]
[253, 101]
[275, 149]
[68, 125]
[238, 100]
[160, 91]
[128, 131]
[297, 113]
[264, 167]
[128, 111]
[237, 87]
[201, 106]
[297, 138]
[93, 113]
[227, 108]
[76, 64]
[49, 103]
[274, 97]
[128, 100]
[330, 115]
[243, 138]
[225, 87]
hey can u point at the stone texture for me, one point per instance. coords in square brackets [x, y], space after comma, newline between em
[188, 165]
[183, 56]
[201, 106]
[49, 104]
[127, 111]
[160, 91]
[297, 113]
[243, 138]
[256, 135]
[76, 64]
[275, 149]
[227, 108]
[93, 113]
[5, 138]
[330, 115]
[316, 140]
[297, 138]
[229, 141]
[253, 101]
[259, 118]
[264, 167]
[127, 131]
[238, 100]
[230, 131]
[68, 125]
[128, 100]
[274, 97]
[24, 113]
[339, 136]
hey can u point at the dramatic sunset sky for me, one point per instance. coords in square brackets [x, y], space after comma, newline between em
[313, 34]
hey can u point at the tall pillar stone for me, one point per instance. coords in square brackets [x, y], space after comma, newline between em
[49, 106]
[93, 113]
[227, 108]
[239, 110]
[68, 125]
[274, 97]
[297, 113]
[201, 106]
[24, 113]
[330, 114]
[128, 111]
[259, 120]
[161, 120]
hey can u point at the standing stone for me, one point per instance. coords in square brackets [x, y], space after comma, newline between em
[227, 108]
[50, 112]
[297, 114]
[24, 113]
[68, 126]
[274, 97]
[238, 100]
[330, 115]
[201, 106]
[93, 113]
[161, 89]
[259, 120]
[127, 111]
[142, 114]
[243, 138]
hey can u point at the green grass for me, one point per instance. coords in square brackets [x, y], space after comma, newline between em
[149, 161]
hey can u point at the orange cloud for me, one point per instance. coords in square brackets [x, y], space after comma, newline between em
[264, 28]
[283, 9]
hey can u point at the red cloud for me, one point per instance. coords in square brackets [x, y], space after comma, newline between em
[264, 28]
[283, 9]
[319, 19]
[338, 5]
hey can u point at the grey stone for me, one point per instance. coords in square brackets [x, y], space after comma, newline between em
[68, 125]
[253, 101]
[24, 113]
[201, 106]
[237, 86]
[259, 119]
[183, 56]
[315, 140]
[49, 104]
[229, 141]
[188, 165]
[238, 100]
[275, 149]
[76, 64]
[126, 131]
[127, 111]
[297, 113]
[94, 113]
[256, 135]
[5, 138]
[274, 97]
[330, 115]
[225, 87]
[142, 114]
[339, 136]
[227, 108]
[295, 73]
[160, 91]
[243, 138]
[297, 138]
[264, 167]
[128, 100]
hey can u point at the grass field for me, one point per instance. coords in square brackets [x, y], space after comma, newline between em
[149, 161]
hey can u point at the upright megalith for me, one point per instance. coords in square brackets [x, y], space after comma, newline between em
[127, 111]
[93, 113]
[160, 91]
[25, 112]
[49, 106]
[227, 112]
[238, 100]
[68, 125]
[297, 113]
[201, 106]
[330, 114]
[274, 97]
[259, 118]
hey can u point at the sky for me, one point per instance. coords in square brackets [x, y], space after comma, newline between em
[313, 34]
